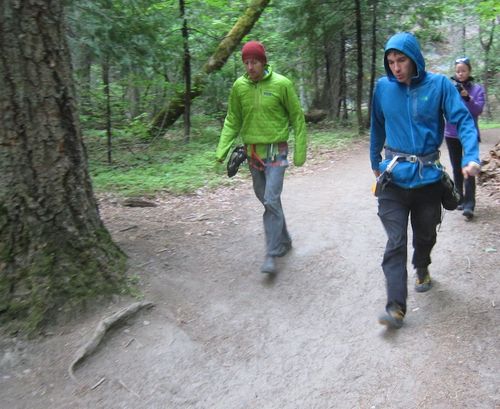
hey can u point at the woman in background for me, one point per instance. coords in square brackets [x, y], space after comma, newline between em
[473, 98]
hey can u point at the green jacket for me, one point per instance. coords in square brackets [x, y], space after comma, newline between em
[261, 112]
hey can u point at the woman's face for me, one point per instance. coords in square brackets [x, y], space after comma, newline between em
[462, 72]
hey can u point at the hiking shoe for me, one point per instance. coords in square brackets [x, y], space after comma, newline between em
[285, 248]
[393, 318]
[269, 266]
[423, 282]
[468, 213]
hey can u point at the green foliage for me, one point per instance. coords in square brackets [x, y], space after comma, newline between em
[169, 165]
[334, 138]
[165, 164]
[488, 9]
[141, 39]
[485, 124]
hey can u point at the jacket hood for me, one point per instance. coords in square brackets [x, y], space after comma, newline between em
[407, 44]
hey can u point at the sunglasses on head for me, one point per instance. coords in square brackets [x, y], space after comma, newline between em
[463, 60]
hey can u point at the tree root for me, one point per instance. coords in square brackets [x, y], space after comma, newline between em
[101, 330]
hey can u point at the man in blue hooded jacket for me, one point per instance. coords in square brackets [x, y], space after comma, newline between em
[409, 110]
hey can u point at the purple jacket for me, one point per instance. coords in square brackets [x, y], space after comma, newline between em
[475, 105]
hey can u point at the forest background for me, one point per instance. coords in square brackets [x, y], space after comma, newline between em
[134, 59]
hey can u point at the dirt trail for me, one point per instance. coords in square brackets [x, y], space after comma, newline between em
[222, 335]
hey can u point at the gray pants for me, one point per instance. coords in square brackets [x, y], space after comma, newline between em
[268, 185]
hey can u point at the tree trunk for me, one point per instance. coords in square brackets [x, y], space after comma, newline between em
[107, 99]
[54, 249]
[373, 63]
[334, 54]
[167, 116]
[82, 69]
[464, 30]
[132, 95]
[342, 101]
[486, 45]
[187, 74]
[359, 77]
[327, 96]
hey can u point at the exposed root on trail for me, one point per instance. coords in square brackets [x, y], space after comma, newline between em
[101, 330]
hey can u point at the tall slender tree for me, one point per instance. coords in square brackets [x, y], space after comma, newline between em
[373, 57]
[187, 72]
[359, 59]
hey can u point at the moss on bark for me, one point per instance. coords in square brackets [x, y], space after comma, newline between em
[60, 278]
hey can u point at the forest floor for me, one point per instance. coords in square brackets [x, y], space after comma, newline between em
[221, 335]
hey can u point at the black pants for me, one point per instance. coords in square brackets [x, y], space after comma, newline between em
[395, 206]
[466, 188]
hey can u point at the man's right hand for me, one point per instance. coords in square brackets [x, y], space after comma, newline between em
[472, 169]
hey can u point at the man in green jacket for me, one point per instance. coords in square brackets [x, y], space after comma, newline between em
[262, 105]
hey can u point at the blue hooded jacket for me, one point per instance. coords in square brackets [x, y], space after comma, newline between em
[410, 118]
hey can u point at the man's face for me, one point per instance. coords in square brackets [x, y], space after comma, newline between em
[255, 69]
[402, 67]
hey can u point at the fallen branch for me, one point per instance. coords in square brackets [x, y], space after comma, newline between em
[101, 330]
[134, 202]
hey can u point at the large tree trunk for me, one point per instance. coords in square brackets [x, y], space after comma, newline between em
[54, 248]
[175, 108]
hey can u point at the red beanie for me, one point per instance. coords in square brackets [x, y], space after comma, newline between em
[254, 49]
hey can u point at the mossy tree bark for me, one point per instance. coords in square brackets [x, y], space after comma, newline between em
[54, 248]
[168, 115]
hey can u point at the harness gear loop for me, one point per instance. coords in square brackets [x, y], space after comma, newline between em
[423, 160]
